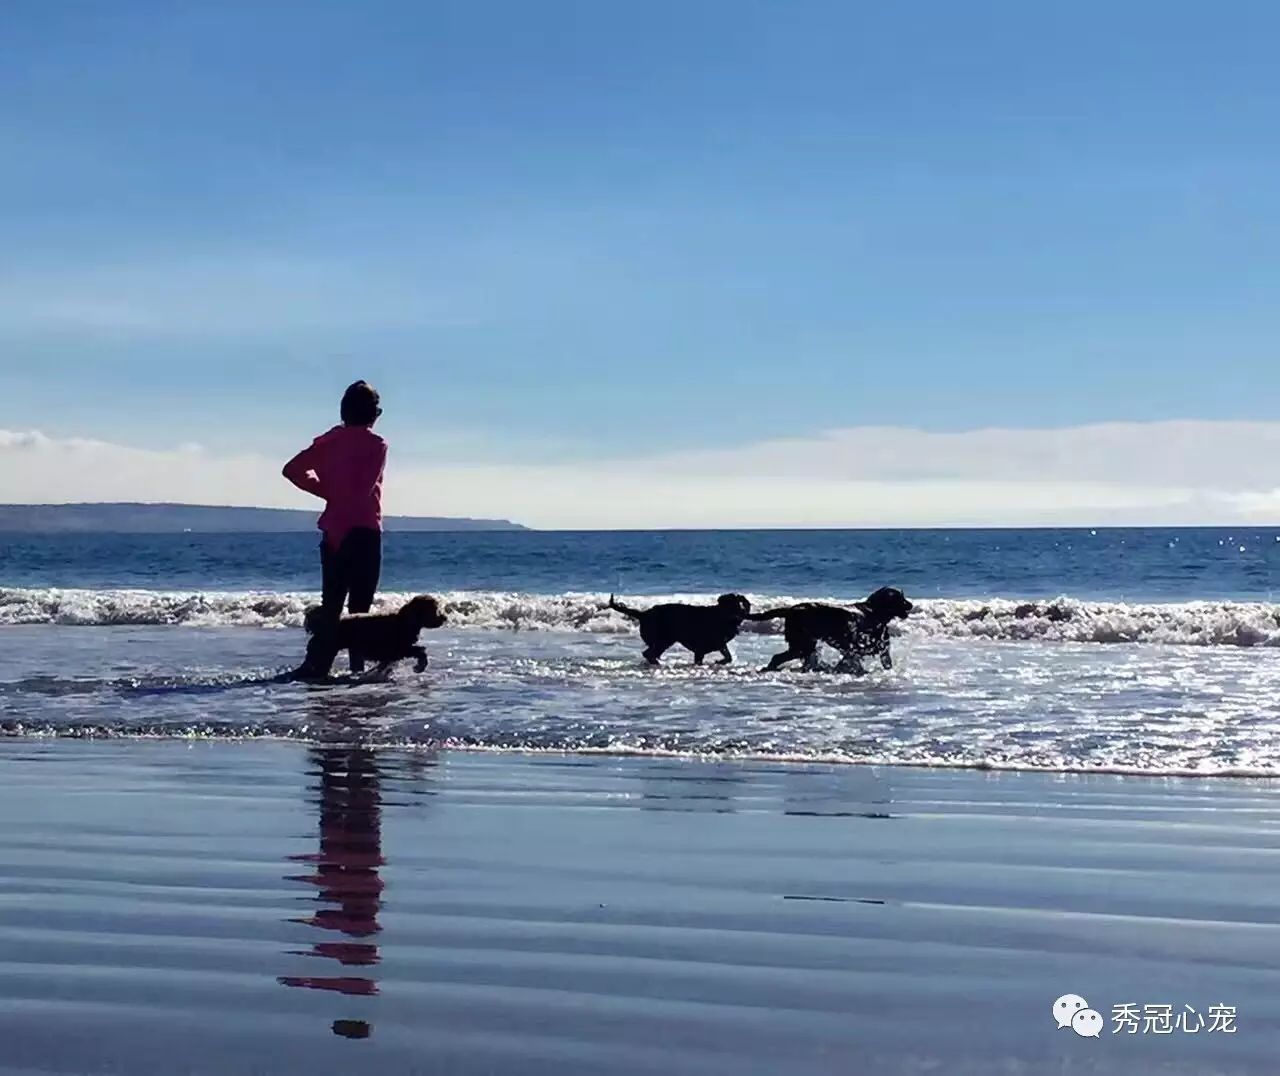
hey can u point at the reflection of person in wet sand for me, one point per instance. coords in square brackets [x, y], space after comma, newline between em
[346, 878]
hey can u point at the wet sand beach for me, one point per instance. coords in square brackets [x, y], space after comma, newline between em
[266, 907]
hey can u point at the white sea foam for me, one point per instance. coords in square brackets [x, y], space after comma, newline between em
[1197, 623]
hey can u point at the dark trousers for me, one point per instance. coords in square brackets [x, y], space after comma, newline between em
[348, 574]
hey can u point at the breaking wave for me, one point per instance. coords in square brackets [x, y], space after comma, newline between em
[1197, 623]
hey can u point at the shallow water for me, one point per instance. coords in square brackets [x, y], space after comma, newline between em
[949, 702]
[1145, 651]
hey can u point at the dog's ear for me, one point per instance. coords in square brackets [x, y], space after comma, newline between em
[424, 611]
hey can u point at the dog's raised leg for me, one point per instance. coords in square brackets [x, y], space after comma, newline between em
[851, 663]
[727, 657]
[421, 664]
[654, 651]
[381, 671]
[778, 660]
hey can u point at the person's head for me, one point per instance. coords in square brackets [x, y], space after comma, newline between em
[360, 405]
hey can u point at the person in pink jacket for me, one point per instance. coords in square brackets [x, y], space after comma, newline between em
[344, 468]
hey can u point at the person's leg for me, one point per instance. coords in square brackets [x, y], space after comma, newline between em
[334, 584]
[365, 568]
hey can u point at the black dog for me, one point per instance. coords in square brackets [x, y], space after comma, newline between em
[856, 632]
[700, 628]
[382, 637]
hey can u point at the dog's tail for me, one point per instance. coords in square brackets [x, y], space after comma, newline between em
[625, 610]
[771, 614]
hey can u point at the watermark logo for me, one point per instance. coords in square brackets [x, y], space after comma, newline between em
[1129, 1018]
[1087, 1023]
[1066, 1007]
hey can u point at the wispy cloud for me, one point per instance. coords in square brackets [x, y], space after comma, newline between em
[254, 294]
[1163, 472]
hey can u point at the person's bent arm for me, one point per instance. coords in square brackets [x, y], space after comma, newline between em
[301, 472]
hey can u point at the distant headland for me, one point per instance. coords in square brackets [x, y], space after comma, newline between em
[124, 518]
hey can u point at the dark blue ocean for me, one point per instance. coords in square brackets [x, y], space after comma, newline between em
[1121, 564]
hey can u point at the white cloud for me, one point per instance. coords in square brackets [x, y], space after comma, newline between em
[1163, 472]
[1210, 455]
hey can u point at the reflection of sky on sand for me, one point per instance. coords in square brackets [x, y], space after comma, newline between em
[668, 787]
[784, 788]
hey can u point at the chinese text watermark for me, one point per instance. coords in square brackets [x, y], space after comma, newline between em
[1130, 1018]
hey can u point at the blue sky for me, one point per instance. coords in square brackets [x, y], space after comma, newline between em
[564, 233]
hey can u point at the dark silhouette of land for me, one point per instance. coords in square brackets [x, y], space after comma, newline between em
[123, 518]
